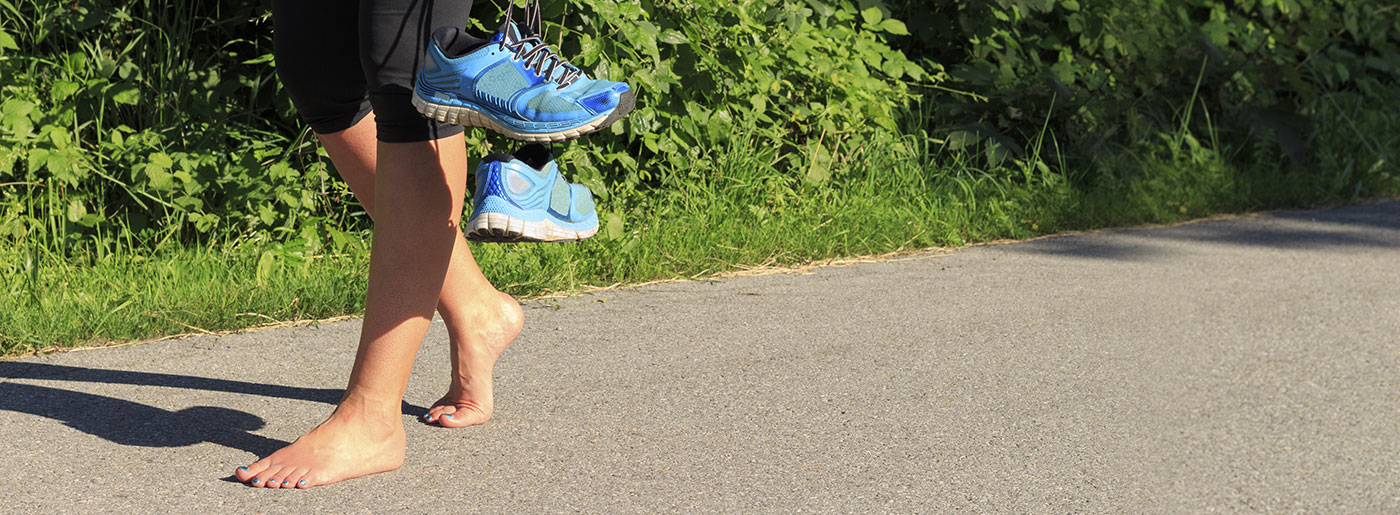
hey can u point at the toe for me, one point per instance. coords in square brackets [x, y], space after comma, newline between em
[278, 480]
[434, 413]
[247, 473]
[297, 479]
[287, 477]
[442, 415]
[264, 479]
[462, 418]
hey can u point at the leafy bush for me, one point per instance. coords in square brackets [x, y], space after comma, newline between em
[127, 123]
[1106, 78]
[805, 79]
[123, 116]
[128, 114]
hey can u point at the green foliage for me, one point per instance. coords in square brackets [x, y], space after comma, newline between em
[805, 78]
[132, 116]
[1105, 77]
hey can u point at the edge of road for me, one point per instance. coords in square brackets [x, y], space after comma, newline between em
[760, 269]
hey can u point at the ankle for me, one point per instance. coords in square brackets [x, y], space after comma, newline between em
[482, 315]
[361, 408]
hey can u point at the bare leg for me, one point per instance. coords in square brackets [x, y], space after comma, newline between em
[481, 321]
[418, 193]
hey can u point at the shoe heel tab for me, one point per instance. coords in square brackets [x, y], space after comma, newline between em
[488, 176]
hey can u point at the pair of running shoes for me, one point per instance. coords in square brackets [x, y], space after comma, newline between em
[515, 85]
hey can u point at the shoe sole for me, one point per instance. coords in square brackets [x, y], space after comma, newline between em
[469, 117]
[501, 228]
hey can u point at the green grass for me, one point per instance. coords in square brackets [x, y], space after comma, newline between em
[731, 210]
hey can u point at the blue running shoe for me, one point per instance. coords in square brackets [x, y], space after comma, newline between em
[515, 85]
[522, 197]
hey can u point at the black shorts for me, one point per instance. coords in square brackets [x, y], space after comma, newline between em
[340, 59]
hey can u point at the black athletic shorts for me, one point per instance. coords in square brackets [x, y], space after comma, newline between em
[340, 59]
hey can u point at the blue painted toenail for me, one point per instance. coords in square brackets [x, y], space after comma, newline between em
[255, 480]
[245, 469]
[449, 415]
[286, 482]
[302, 482]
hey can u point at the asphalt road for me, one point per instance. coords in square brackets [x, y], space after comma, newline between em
[1238, 365]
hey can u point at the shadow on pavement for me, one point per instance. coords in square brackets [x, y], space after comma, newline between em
[131, 423]
[28, 370]
[1286, 235]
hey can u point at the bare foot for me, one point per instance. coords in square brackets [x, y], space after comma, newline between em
[348, 444]
[475, 346]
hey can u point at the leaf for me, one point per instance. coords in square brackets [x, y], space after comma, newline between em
[871, 15]
[267, 265]
[7, 41]
[914, 71]
[819, 170]
[614, 226]
[63, 89]
[281, 170]
[38, 158]
[205, 222]
[59, 136]
[720, 125]
[126, 94]
[961, 139]
[105, 65]
[672, 37]
[128, 70]
[288, 199]
[895, 27]
[894, 69]
[16, 107]
[76, 210]
[160, 180]
[161, 160]
[60, 164]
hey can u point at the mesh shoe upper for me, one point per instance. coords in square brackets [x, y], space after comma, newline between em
[507, 77]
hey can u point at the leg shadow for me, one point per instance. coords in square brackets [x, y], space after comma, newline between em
[130, 423]
[45, 371]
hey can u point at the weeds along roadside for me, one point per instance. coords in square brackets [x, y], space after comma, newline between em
[895, 194]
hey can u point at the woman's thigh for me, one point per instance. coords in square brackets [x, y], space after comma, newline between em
[338, 59]
[316, 46]
[393, 36]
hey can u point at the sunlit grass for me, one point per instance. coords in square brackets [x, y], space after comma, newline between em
[735, 212]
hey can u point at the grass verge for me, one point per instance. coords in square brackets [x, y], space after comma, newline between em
[733, 210]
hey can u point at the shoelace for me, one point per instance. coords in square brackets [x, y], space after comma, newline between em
[539, 54]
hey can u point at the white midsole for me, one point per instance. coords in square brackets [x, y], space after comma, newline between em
[468, 117]
[543, 230]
